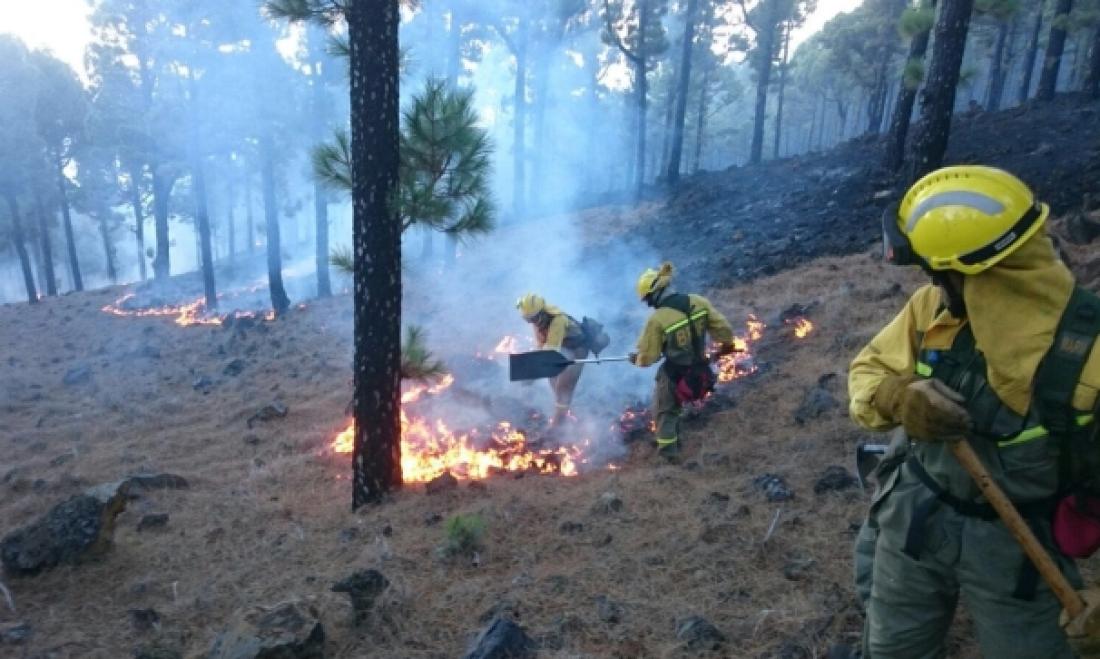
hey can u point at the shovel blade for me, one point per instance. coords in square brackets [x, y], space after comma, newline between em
[536, 365]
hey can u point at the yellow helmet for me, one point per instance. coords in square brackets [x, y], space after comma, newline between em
[652, 280]
[964, 218]
[530, 305]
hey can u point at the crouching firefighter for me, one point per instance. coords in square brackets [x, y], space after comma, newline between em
[557, 330]
[677, 330]
[998, 350]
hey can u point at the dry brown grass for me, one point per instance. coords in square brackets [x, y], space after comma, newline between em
[262, 523]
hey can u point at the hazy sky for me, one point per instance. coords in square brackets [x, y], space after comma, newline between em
[62, 25]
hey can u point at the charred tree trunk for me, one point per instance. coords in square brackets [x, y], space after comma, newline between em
[67, 223]
[139, 217]
[279, 300]
[202, 217]
[641, 88]
[376, 453]
[765, 50]
[782, 88]
[997, 69]
[701, 117]
[47, 247]
[938, 98]
[162, 193]
[320, 210]
[250, 228]
[21, 248]
[320, 199]
[903, 108]
[1032, 54]
[1092, 82]
[1056, 44]
[677, 149]
[108, 248]
[519, 123]
[231, 218]
[542, 90]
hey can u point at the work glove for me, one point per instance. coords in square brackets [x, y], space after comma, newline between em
[1083, 632]
[928, 409]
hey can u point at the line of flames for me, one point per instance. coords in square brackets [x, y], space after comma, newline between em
[184, 315]
[430, 448]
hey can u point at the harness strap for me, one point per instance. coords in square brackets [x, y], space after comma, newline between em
[682, 303]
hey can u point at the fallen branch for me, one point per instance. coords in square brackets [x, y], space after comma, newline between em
[771, 529]
[7, 596]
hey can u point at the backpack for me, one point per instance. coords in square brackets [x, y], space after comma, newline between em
[594, 335]
[694, 381]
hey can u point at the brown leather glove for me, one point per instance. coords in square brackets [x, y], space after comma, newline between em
[1083, 632]
[928, 409]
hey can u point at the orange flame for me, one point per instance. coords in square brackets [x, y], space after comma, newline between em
[741, 363]
[802, 327]
[185, 315]
[507, 345]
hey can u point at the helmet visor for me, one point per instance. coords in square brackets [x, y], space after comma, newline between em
[896, 248]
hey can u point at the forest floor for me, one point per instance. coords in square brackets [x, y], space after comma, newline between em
[89, 397]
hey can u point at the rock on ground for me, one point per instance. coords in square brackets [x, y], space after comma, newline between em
[290, 630]
[699, 634]
[363, 588]
[502, 639]
[77, 528]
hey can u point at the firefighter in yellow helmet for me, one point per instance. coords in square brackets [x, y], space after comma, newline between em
[556, 330]
[997, 349]
[677, 330]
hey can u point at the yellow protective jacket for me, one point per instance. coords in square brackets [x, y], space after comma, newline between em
[559, 331]
[1013, 310]
[665, 330]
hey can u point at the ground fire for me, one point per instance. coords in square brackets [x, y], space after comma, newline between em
[430, 447]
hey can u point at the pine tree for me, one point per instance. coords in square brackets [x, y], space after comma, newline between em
[916, 25]
[1056, 44]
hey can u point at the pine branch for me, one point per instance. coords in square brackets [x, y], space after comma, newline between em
[332, 162]
[343, 260]
[417, 362]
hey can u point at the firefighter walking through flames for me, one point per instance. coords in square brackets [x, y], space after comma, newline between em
[556, 330]
[677, 330]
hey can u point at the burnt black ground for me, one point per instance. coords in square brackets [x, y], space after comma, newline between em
[745, 222]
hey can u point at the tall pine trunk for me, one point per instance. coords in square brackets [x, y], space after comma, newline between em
[279, 300]
[997, 69]
[701, 118]
[21, 248]
[519, 122]
[676, 151]
[765, 50]
[139, 217]
[782, 89]
[938, 99]
[320, 199]
[67, 223]
[641, 89]
[47, 247]
[376, 453]
[903, 108]
[542, 89]
[1056, 44]
[108, 248]
[250, 227]
[231, 219]
[162, 193]
[1092, 82]
[202, 217]
[1032, 54]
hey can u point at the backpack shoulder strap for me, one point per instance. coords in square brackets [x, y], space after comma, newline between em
[1060, 371]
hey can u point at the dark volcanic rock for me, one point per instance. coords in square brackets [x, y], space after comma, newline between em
[774, 487]
[835, 479]
[77, 375]
[273, 410]
[699, 634]
[234, 368]
[290, 630]
[817, 402]
[159, 481]
[80, 527]
[363, 588]
[153, 521]
[15, 633]
[502, 639]
[144, 620]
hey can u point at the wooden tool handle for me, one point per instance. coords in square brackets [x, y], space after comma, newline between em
[1070, 599]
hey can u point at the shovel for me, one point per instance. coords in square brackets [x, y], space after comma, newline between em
[1063, 590]
[546, 364]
